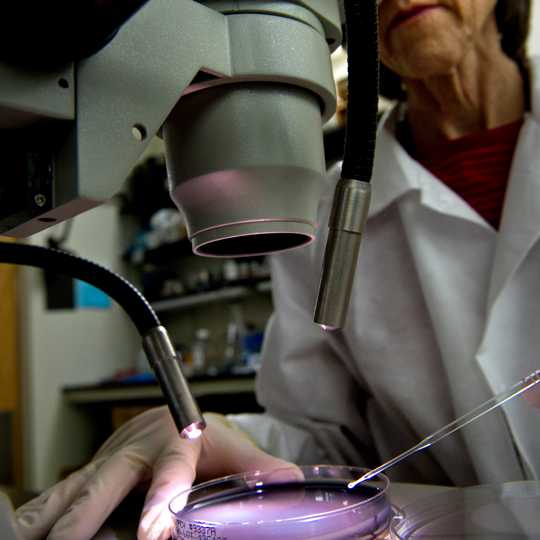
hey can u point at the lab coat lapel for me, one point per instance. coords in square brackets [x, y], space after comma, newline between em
[510, 345]
[391, 167]
[453, 261]
[509, 352]
[520, 224]
[489, 260]
[400, 175]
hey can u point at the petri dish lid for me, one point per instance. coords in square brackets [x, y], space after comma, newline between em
[308, 503]
[489, 512]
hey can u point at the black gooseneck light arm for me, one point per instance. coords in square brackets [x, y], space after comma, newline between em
[352, 195]
[156, 342]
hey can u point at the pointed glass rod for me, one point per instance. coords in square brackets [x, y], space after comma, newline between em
[496, 401]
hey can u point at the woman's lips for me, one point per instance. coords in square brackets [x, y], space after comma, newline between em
[405, 16]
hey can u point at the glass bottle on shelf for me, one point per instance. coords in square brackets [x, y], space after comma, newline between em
[236, 330]
[199, 351]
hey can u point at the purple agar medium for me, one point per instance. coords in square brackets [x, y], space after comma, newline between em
[318, 506]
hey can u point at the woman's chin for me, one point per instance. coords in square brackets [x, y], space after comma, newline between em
[424, 62]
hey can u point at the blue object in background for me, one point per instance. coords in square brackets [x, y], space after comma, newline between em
[251, 355]
[146, 377]
[89, 297]
[253, 341]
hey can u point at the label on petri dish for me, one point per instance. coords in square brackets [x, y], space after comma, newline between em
[196, 531]
[287, 511]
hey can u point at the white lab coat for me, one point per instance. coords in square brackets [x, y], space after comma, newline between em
[445, 312]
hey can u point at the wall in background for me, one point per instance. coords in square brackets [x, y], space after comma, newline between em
[68, 347]
[534, 37]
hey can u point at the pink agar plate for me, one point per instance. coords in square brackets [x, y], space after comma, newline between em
[307, 503]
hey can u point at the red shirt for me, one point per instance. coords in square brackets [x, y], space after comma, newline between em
[477, 167]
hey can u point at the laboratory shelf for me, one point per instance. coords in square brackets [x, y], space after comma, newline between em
[119, 392]
[219, 295]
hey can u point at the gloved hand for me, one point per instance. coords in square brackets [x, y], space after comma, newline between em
[146, 448]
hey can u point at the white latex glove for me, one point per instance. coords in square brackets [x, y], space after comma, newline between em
[147, 447]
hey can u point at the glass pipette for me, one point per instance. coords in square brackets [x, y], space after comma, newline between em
[496, 401]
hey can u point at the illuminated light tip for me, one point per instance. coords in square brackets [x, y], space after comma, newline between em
[193, 431]
[328, 327]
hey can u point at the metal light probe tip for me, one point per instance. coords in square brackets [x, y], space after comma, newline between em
[166, 364]
[346, 223]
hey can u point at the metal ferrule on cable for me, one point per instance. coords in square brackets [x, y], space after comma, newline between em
[166, 364]
[347, 221]
[352, 195]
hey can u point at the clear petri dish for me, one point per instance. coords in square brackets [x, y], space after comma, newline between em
[491, 512]
[308, 503]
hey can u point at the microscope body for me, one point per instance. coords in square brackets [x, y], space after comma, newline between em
[239, 91]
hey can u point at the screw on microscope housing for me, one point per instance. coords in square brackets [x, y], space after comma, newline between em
[40, 199]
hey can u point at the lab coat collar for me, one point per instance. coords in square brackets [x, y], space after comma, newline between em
[397, 174]
[520, 224]
[392, 176]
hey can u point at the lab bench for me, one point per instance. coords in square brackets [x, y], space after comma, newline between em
[136, 393]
